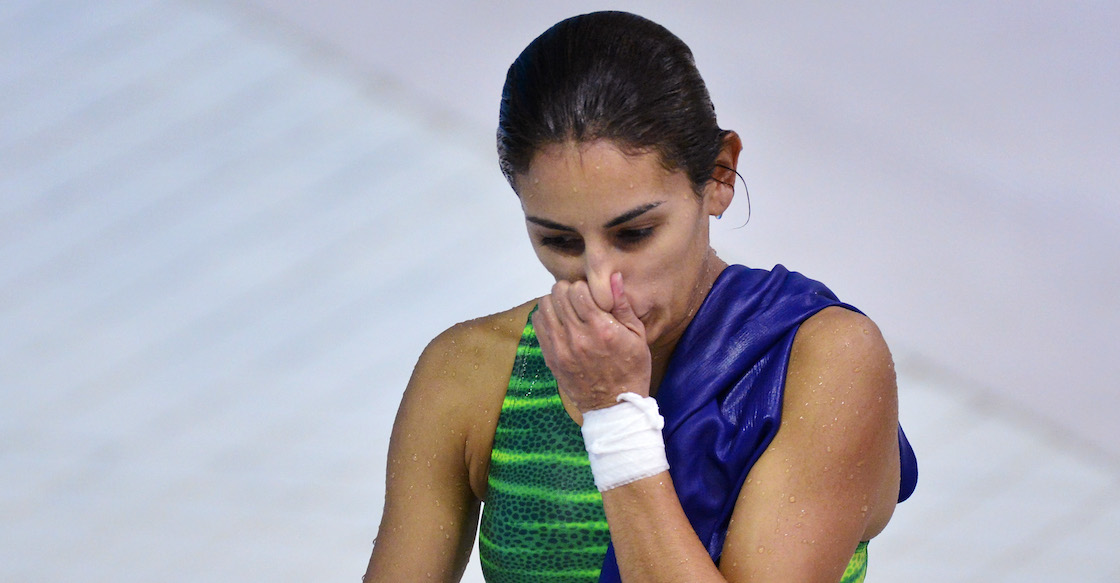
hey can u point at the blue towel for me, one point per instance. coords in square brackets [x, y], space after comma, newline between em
[722, 393]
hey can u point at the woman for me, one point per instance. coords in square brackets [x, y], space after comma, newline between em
[724, 423]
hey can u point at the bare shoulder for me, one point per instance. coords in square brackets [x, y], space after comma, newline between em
[481, 334]
[837, 340]
[459, 384]
[830, 476]
[841, 393]
[840, 367]
[439, 450]
[464, 358]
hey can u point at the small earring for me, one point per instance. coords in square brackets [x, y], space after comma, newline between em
[719, 216]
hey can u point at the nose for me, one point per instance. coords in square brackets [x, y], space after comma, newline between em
[598, 267]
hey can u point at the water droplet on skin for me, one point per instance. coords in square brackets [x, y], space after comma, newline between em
[793, 499]
[415, 457]
[828, 449]
[863, 509]
[761, 550]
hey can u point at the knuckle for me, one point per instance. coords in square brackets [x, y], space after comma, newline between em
[605, 329]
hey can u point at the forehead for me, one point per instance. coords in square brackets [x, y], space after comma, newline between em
[596, 178]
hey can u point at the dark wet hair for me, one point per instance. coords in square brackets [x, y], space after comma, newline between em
[614, 76]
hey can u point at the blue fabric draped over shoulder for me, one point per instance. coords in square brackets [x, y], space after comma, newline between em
[722, 393]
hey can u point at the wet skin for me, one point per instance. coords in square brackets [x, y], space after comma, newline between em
[627, 242]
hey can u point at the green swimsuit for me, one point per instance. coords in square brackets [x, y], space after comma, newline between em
[543, 519]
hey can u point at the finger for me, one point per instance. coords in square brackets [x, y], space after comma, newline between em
[623, 311]
[583, 304]
[545, 326]
[545, 317]
[562, 304]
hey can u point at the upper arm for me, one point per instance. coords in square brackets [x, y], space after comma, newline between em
[830, 478]
[431, 513]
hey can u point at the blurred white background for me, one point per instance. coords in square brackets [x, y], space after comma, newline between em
[228, 229]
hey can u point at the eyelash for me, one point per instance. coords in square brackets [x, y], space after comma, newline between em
[626, 238]
[566, 244]
[634, 236]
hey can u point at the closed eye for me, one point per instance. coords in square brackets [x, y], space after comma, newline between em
[563, 244]
[633, 237]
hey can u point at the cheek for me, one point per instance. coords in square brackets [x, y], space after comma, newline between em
[560, 268]
[666, 280]
[648, 291]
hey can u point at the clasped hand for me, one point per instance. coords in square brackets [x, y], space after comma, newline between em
[595, 352]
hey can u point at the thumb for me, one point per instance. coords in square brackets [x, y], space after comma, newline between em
[623, 311]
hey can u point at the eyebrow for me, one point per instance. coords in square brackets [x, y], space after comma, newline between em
[620, 219]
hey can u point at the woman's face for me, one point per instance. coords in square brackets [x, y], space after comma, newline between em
[592, 210]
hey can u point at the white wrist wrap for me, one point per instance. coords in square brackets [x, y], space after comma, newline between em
[624, 441]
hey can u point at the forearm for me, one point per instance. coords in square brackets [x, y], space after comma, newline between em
[653, 539]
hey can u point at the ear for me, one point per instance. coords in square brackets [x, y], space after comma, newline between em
[721, 188]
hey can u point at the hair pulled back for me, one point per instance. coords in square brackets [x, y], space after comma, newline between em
[614, 76]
